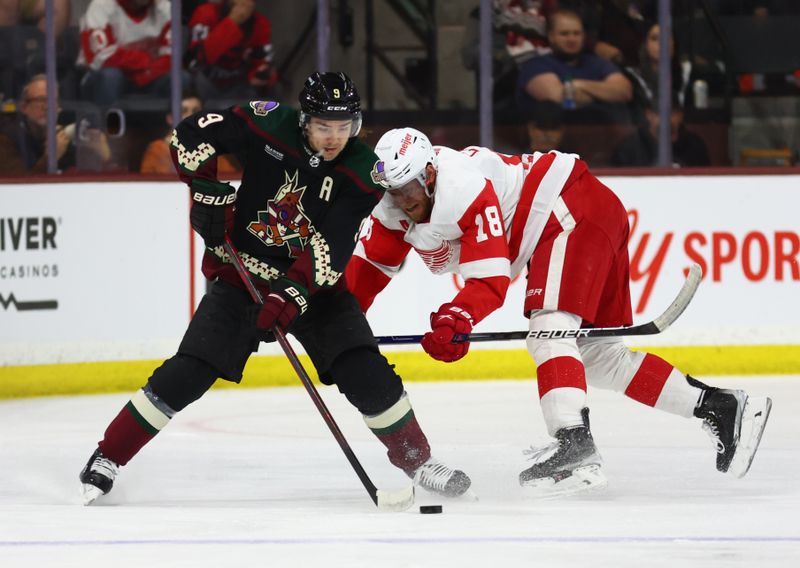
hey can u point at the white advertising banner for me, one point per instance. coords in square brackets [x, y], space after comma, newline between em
[103, 271]
[92, 271]
[743, 231]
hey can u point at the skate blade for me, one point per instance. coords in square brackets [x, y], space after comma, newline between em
[586, 478]
[89, 493]
[754, 420]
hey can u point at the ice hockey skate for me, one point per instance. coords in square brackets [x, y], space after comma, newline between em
[436, 477]
[97, 477]
[735, 424]
[568, 465]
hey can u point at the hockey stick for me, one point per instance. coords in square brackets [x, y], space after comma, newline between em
[384, 500]
[658, 325]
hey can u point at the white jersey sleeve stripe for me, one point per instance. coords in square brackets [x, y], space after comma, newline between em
[557, 255]
[549, 189]
[484, 268]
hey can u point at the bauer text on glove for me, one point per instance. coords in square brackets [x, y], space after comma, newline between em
[286, 301]
[212, 212]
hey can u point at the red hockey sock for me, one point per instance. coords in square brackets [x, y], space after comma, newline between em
[648, 382]
[136, 424]
[560, 372]
[562, 392]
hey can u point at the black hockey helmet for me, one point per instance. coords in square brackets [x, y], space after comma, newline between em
[333, 96]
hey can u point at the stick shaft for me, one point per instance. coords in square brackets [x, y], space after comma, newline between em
[657, 325]
[303, 375]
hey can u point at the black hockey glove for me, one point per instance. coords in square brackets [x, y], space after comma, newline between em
[285, 302]
[212, 210]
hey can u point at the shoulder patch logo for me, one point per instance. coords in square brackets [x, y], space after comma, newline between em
[262, 108]
[378, 173]
[284, 222]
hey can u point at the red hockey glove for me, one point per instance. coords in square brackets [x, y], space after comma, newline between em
[212, 212]
[286, 301]
[445, 324]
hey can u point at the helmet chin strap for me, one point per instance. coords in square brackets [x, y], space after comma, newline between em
[307, 144]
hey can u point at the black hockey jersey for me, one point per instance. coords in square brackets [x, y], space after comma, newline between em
[296, 214]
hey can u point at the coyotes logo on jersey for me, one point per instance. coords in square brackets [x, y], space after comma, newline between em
[284, 222]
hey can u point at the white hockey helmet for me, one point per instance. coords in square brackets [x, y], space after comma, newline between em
[405, 152]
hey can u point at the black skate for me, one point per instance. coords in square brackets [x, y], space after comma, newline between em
[436, 477]
[568, 465]
[735, 423]
[97, 477]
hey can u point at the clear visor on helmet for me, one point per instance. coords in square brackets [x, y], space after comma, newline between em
[355, 124]
[409, 189]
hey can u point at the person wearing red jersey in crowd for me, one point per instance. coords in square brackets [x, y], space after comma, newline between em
[126, 46]
[231, 51]
[488, 216]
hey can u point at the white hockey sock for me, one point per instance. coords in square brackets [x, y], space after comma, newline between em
[561, 408]
[678, 396]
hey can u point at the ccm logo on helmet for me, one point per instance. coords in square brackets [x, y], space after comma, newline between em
[214, 199]
[336, 107]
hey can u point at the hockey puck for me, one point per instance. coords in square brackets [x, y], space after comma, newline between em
[430, 509]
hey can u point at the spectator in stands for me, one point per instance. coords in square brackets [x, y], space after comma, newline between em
[519, 32]
[615, 28]
[157, 158]
[31, 13]
[230, 54]
[545, 128]
[126, 45]
[570, 76]
[645, 75]
[23, 136]
[641, 147]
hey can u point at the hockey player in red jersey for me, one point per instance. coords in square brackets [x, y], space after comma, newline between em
[488, 216]
[295, 258]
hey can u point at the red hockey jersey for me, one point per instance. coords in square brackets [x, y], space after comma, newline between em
[137, 43]
[488, 213]
[228, 53]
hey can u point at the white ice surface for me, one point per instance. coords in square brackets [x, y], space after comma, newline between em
[252, 477]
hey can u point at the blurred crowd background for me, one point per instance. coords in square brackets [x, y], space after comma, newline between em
[574, 75]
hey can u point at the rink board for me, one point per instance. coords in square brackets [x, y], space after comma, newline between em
[98, 281]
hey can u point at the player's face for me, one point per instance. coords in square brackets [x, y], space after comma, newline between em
[411, 198]
[328, 137]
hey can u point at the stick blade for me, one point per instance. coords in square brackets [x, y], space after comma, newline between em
[400, 500]
[681, 301]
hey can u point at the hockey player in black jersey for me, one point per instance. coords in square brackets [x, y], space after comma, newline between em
[307, 185]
